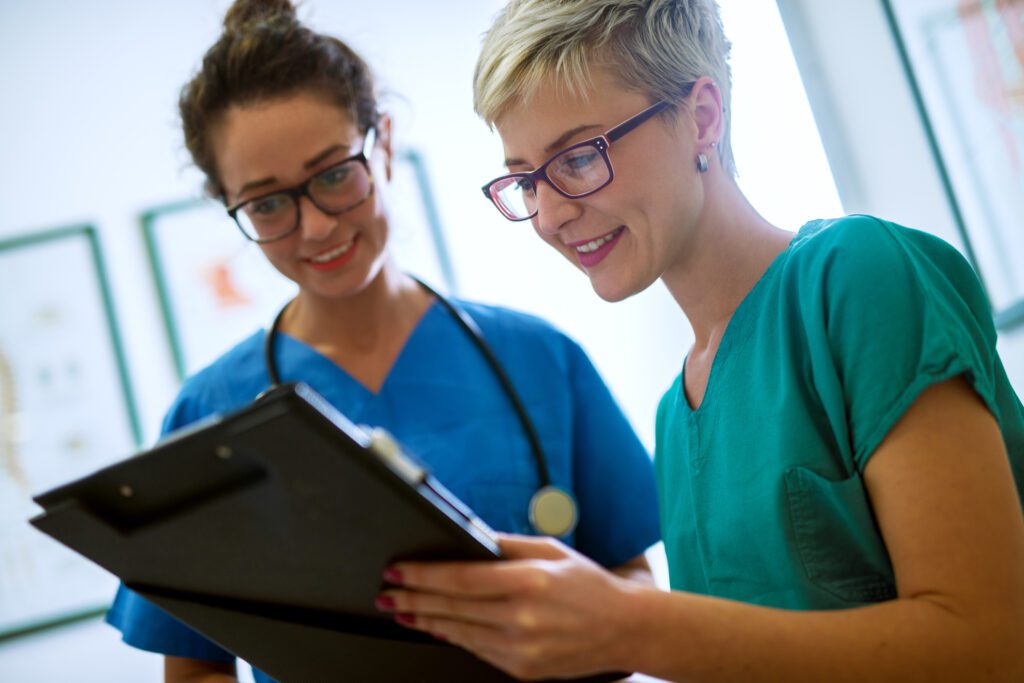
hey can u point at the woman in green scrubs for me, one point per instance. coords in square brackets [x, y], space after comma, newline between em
[840, 460]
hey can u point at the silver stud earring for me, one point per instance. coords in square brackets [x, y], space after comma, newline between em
[702, 163]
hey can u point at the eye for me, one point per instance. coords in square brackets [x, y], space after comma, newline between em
[578, 160]
[333, 177]
[523, 185]
[271, 205]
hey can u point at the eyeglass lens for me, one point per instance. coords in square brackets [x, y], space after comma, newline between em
[576, 171]
[333, 191]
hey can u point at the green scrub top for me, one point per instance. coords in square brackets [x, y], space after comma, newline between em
[761, 488]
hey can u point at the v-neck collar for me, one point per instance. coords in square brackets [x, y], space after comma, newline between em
[733, 329]
[301, 362]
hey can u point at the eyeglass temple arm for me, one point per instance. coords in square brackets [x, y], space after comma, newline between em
[612, 135]
[626, 126]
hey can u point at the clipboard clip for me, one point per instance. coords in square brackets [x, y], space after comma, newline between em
[384, 446]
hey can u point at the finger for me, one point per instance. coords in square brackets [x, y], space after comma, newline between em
[509, 652]
[480, 580]
[518, 617]
[411, 603]
[477, 638]
[515, 547]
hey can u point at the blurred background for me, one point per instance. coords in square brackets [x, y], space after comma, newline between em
[839, 107]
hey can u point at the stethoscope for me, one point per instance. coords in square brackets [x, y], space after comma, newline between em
[553, 510]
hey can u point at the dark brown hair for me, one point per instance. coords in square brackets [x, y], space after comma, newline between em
[266, 53]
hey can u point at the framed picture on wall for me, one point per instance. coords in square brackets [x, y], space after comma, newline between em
[965, 60]
[216, 287]
[66, 409]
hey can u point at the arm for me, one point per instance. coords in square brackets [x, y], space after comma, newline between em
[182, 670]
[638, 569]
[947, 508]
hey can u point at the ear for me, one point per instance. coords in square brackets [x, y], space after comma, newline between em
[705, 101]
[384, 141]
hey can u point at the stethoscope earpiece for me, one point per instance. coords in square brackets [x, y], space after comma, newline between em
[552, 510]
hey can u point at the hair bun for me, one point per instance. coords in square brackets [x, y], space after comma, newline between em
[245, 12]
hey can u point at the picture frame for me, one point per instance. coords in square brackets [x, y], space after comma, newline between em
[66, 409]
[964, 61]
[216, 288]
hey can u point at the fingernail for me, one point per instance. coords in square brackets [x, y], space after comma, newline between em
[384, 603]
[406, 619]
[392, 575]
[440, 636]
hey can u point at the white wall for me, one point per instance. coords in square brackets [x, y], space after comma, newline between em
[88, 133]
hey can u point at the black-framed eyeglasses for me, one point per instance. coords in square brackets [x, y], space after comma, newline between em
[577, 171]
[337, 189]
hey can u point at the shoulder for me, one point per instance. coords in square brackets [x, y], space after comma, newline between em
[500, 324]
[869, 262]
[848, 243]
[226, 384]
[866, 246]
[508, 320]
[530, 341]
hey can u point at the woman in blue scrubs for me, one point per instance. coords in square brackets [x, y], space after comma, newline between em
[284, 123]
[841, 460]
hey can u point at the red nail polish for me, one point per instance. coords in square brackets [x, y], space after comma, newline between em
[406, 619]
[392, 575]
[385, 603]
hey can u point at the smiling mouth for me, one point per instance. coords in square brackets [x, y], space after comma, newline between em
[327, 256]
[594, 245]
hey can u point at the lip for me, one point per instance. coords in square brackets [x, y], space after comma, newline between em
[336, 262]
[592, 258]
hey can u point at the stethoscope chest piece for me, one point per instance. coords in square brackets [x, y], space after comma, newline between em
[553, 512]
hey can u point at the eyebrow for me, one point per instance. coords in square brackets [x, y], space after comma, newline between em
[263, 182]
[562, 139]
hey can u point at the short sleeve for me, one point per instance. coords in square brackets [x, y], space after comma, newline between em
[613, 473]
[902, 311]
[144, 625]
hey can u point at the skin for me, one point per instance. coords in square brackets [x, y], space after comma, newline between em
[360, 314]
[939, 481]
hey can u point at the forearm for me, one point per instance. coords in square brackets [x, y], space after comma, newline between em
[183, 670]
[684, 637]
[637, 570]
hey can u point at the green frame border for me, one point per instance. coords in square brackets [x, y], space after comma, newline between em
[148, 222]
[88, 232]
[1013, 315]
[415, 159]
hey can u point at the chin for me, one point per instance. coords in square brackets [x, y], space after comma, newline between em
[614, 290]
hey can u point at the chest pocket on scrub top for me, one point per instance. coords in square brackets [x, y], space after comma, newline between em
[837, 537]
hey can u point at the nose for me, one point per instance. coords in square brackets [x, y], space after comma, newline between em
[553, 210]
[315, 224]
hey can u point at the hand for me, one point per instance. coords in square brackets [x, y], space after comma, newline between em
[545, 611]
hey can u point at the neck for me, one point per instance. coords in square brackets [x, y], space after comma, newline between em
[727, 252]
[386, 306]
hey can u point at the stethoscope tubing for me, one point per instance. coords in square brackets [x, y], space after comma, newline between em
[472, 330]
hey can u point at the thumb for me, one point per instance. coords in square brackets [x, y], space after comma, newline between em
[515, 547]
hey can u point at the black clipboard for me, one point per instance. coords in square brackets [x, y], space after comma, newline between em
[227, 525]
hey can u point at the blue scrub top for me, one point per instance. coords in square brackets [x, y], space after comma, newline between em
[443, 403]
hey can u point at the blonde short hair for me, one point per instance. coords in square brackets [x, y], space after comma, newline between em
[657, 47]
